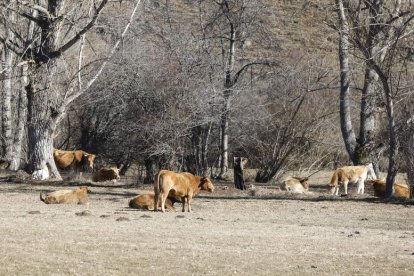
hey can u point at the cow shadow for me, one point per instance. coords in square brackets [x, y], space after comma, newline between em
[320, 198]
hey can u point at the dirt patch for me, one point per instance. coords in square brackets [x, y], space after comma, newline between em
[229, 232]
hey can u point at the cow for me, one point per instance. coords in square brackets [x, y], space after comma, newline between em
[106, 174]
[78, 160]
[398, 189]
[78, 196]
[183, 185]
[146, 202]
[295, 184]
[351, 174]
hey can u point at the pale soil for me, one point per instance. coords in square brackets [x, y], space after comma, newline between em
[229, 232]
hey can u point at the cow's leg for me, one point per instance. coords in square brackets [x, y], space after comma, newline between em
[360, 186]
[346, 187]
[189, 201]
[164, 196]
[156, 202]
[183, 202]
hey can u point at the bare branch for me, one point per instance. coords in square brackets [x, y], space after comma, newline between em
[78, 36]
[11, 46]
[74, 96]
[246, 66]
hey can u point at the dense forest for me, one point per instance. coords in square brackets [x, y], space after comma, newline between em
[189, 85]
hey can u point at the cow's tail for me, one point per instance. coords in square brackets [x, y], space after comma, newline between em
[157, 188]
[41, 198]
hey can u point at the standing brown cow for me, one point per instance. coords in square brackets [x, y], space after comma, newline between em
[78, 160]
[184, 185]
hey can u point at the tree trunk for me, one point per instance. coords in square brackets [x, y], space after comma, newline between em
[199, 140]
[239, 163]
[40, 119]
[194, 161]
[124, 167]
[21, 123]
[228, 85]
[224, 164]
[409, 158]
[348, 133]
[367, 119]
[151, 170]
[393, 139]
[204, 153]
[6, 106]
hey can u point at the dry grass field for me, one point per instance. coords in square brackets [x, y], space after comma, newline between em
[265, 232]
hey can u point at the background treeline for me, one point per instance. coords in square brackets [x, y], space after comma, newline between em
[193, 84]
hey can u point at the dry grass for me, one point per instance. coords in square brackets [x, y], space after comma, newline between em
[229, 232]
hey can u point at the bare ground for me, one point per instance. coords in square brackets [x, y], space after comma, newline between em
[265, 232]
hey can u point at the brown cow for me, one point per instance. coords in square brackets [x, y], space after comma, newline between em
[184, 185]
[398, 189]
[351, 174]
[79, 160]
[78, 196]
[106, 174]
[146, 202]
[295, 184]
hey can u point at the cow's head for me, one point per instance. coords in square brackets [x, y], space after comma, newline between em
[331, 188]
[87, 161]
[206, 184]
[116, 173]
[304, 182]
[85, 188]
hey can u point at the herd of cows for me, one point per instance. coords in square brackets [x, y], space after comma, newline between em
[171, 187]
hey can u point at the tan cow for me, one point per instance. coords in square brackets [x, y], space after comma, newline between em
[183, 185]
[398, 189]
[106, 174]
[295, 184]
[146, 202]
[78, 196]
[79, 160]
[351, 174]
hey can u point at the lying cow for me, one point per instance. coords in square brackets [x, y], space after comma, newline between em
[146, 202]
[183, 185]
[295, 184]
[78, 160]
[78, 196]
[351, 174]
[106, 174]
[398, 189]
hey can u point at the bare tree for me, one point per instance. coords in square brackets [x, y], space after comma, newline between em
[347, 130]
[290, 124]
[407, 141]
[58, 28]
[377, 28]
[233, 23]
